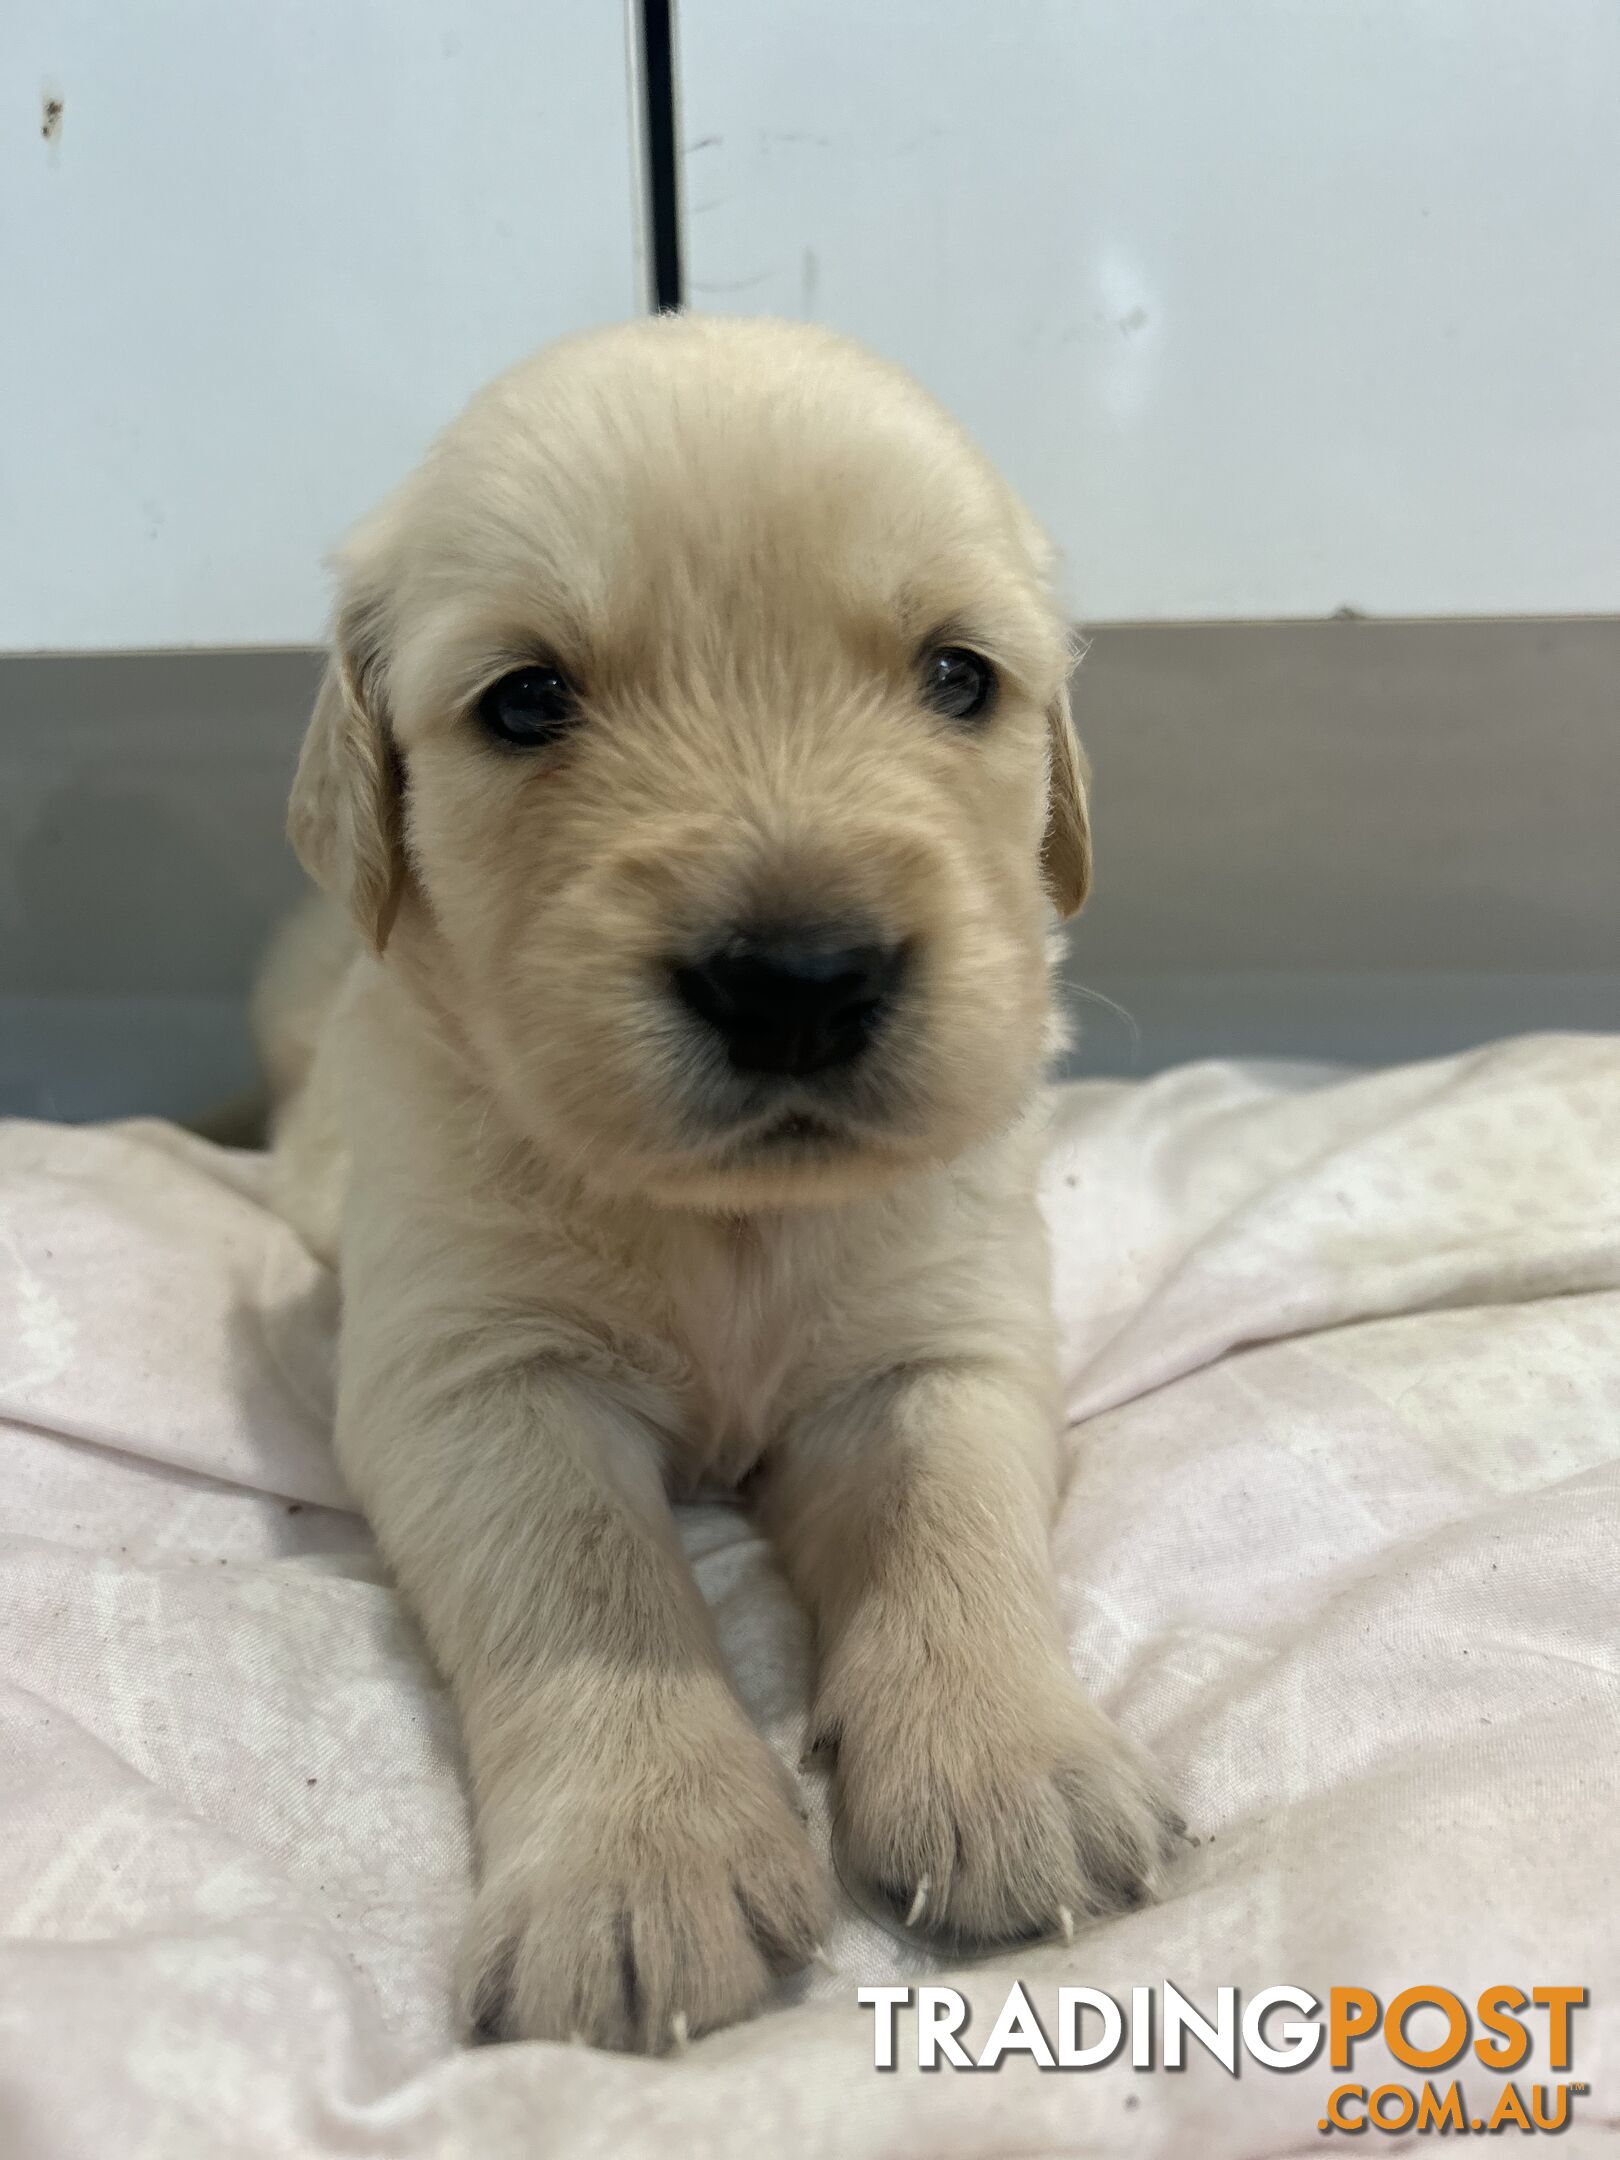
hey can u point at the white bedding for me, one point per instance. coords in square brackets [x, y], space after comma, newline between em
[1341, 1545]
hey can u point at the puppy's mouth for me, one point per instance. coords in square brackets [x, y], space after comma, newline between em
[777, 1146]
[801, 1129]
[794, 1152]
[804, 1136]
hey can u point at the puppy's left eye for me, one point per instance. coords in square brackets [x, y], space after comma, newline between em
[529, 708]
[958, 683]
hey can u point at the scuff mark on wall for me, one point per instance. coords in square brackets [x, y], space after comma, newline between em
[52, 106]
[732, 285]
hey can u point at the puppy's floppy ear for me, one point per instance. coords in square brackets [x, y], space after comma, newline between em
[345, 816]
[1066, 851]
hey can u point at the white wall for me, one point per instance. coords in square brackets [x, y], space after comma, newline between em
[253, 259]
[1271, 307]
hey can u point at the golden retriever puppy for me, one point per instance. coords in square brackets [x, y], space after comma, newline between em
[696, 765]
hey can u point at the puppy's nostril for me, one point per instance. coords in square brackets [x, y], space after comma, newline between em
[792, 1002]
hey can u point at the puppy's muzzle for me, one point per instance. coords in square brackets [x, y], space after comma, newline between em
[792, 1002]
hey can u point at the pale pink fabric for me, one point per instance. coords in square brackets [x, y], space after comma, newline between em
[1341, 1545]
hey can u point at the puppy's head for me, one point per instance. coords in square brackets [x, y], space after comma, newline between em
[699, 710]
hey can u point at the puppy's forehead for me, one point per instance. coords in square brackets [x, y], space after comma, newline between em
[620, 481]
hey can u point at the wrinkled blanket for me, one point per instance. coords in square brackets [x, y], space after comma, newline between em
[1340, 1544]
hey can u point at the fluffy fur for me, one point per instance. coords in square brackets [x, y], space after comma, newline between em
[582, 1265]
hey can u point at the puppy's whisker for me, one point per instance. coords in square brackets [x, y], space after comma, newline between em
[1096, 997]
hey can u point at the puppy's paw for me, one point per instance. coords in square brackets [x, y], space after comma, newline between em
[639, 1916]
[988, 1814]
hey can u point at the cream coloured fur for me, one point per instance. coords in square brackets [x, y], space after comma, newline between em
[579, 1273]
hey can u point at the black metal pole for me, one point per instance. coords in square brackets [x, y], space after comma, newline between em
[662, 139]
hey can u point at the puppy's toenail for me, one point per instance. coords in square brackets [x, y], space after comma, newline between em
[919, 1904]
[1066, 1923]
[677, 2032]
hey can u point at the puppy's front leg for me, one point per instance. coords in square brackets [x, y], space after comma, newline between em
[977, 1788]
[644, 1873]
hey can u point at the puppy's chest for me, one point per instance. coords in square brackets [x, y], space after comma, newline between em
[748, 1306]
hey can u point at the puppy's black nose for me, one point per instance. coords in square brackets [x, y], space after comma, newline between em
[791, 1002]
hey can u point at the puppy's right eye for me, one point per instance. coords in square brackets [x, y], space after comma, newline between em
[958, 683]
[529, 708]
